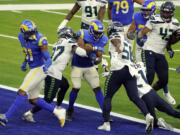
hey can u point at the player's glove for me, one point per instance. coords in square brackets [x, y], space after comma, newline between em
[23, 66]
[131, 35]
[141, 41]
[62, 24]
[171, 53]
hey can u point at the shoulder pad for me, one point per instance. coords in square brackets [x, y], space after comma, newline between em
[175, 22]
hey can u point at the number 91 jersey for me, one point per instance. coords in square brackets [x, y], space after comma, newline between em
[62, 54]
[122, 11]
[160, 32]
[90, 9]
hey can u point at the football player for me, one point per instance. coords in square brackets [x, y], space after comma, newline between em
[55, 82]
[121, 73]
[122, 11]
[91, 10]
[35, 48]
[159, 28]
[152, 99]
[139, 21]
[84, 67]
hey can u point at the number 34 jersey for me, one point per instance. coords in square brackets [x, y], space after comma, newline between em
[62, 54]
[90, 9]
[160, 32]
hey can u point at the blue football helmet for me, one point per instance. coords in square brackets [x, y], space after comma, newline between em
[29, 29]
[148, 8]
[96, 29]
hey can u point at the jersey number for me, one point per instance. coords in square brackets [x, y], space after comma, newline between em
[28, 53]
[164, 32]
[143, 77]
[122, 6]
[90, 11]
[127, 54]
[57, 51]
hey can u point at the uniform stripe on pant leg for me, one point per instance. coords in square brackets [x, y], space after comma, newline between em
[106, 82]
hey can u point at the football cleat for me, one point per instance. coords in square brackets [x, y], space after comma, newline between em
[69, 114]
[28, 116]
[61, 115]
[3, 120]
[149, 123]
[162, 123]
[170, 99]
[105, 126]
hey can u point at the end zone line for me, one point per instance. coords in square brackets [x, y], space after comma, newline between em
[95, 109]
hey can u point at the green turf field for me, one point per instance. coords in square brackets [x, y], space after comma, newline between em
[11, 57]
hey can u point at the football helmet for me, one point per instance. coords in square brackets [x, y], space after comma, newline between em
[114, 27]
[167, 11]
[96, 29]
[66, 32]
[29, 29]
[148, 8]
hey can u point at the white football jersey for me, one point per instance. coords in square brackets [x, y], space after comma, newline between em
[125, 58]
[142, 83]
[62, 54]
[90, 9]
[160, 32]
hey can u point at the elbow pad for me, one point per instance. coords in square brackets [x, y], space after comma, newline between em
[81, 52]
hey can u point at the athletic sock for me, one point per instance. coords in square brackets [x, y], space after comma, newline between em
[15, 105]
[72, 98]
[99, 98]
[166, 89]
[44, 105]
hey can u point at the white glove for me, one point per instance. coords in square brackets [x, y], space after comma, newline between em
[105, 74]
[62, 24]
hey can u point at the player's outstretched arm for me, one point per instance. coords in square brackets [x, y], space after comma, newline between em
[131, 31]
[139, 1]
[109, 11]
[116, 43]
[101, 13]
[69, 16]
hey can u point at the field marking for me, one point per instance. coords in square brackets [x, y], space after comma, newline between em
[94, 109]
[105, 56]
[6, 7]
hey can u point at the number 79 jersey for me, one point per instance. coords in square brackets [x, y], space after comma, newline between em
[160, 32]
[62, 54]
[90, 9]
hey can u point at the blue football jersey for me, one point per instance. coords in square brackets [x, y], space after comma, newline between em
[88, 38]
[122, 11]
[31, 48]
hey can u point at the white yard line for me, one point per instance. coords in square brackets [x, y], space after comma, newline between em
[53, 6]
[95, 109]
[105, 56]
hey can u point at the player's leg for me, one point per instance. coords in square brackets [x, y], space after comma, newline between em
[64, 86]
[30, 81]
[149, 61]
[132, 92]
[92, 77]
[112, 84]
[162, 73]
[76, 75]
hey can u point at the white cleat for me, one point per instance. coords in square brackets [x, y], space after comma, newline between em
[170, 99]
[163, 124]
[28, 116]
[60, 113]
[149, 123]
[105, 127]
